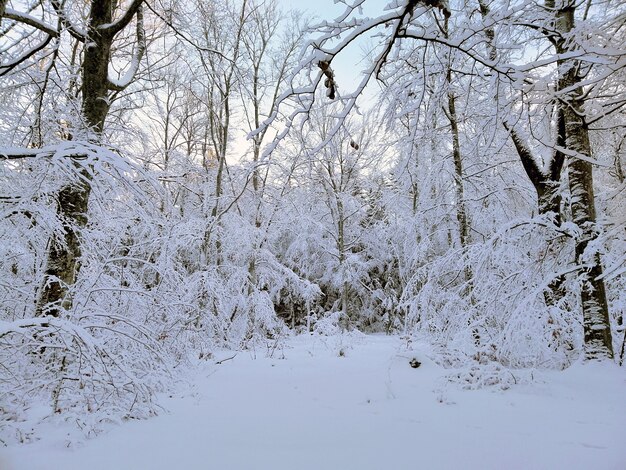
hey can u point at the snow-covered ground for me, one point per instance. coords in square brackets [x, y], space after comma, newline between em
[355, 403]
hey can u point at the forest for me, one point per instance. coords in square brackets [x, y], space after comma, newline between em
[182, 178]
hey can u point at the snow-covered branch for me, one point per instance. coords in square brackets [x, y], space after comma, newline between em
[123, 82]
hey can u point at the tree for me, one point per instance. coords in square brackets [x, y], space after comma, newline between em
[97, 88]
[598, 341]
[405, 22]
[338, 170]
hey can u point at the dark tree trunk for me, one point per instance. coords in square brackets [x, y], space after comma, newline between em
[461, 210]
[63, 255]
[62, 263]
[3, 5]
[546, 185]
[597, 327]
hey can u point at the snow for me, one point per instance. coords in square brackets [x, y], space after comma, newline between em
[353, 402]
[30, 20]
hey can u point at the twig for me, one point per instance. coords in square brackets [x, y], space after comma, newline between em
[227, 359]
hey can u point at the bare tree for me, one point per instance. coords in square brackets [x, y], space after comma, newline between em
[97, 88]
[105, 22]
[269, 57]
[406, 22]
[598, 341]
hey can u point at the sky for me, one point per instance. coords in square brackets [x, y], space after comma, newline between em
[348, 64]
[327, 9]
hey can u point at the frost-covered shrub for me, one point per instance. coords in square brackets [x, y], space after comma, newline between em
[87, 370]
[158, 285]
[490, 301]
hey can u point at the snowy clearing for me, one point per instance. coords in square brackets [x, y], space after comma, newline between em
[308, 407]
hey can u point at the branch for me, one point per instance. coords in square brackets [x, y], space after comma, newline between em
[121, 84]
[555, 37]
[67, 23]
[30, 21]
[115, 27]
[528, 161]
[18, 326]
[16, 153]
[7, 67]
[181, 35]
[36, 23]
[227, 359]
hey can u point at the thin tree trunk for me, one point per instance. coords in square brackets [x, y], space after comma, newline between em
[619, 169]
[461, 210]
[222, 130]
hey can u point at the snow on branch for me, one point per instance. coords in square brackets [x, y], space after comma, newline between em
[10, 65]
[19, 153]
[20, 326]
[316, 54]
[333, 38]
[75, 31]
[117, 26]
[182, 35]
[127, 78]
[31, 21]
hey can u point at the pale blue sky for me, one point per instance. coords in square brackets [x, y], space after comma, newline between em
[348, 64]
[328, 9]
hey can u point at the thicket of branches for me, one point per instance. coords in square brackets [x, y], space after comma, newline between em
[141, 232]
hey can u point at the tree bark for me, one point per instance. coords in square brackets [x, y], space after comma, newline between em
[3, 5]
[461, 211]
[62, 263]
[546, 183]
[597, 328]
[619, 169]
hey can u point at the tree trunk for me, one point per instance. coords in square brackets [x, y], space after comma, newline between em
[341, 247]
[3, 5]
[461, 213]
[461, 210]
[546, 183]
[597, 328]
[63, 255]
[619, 169]
[62, 263]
